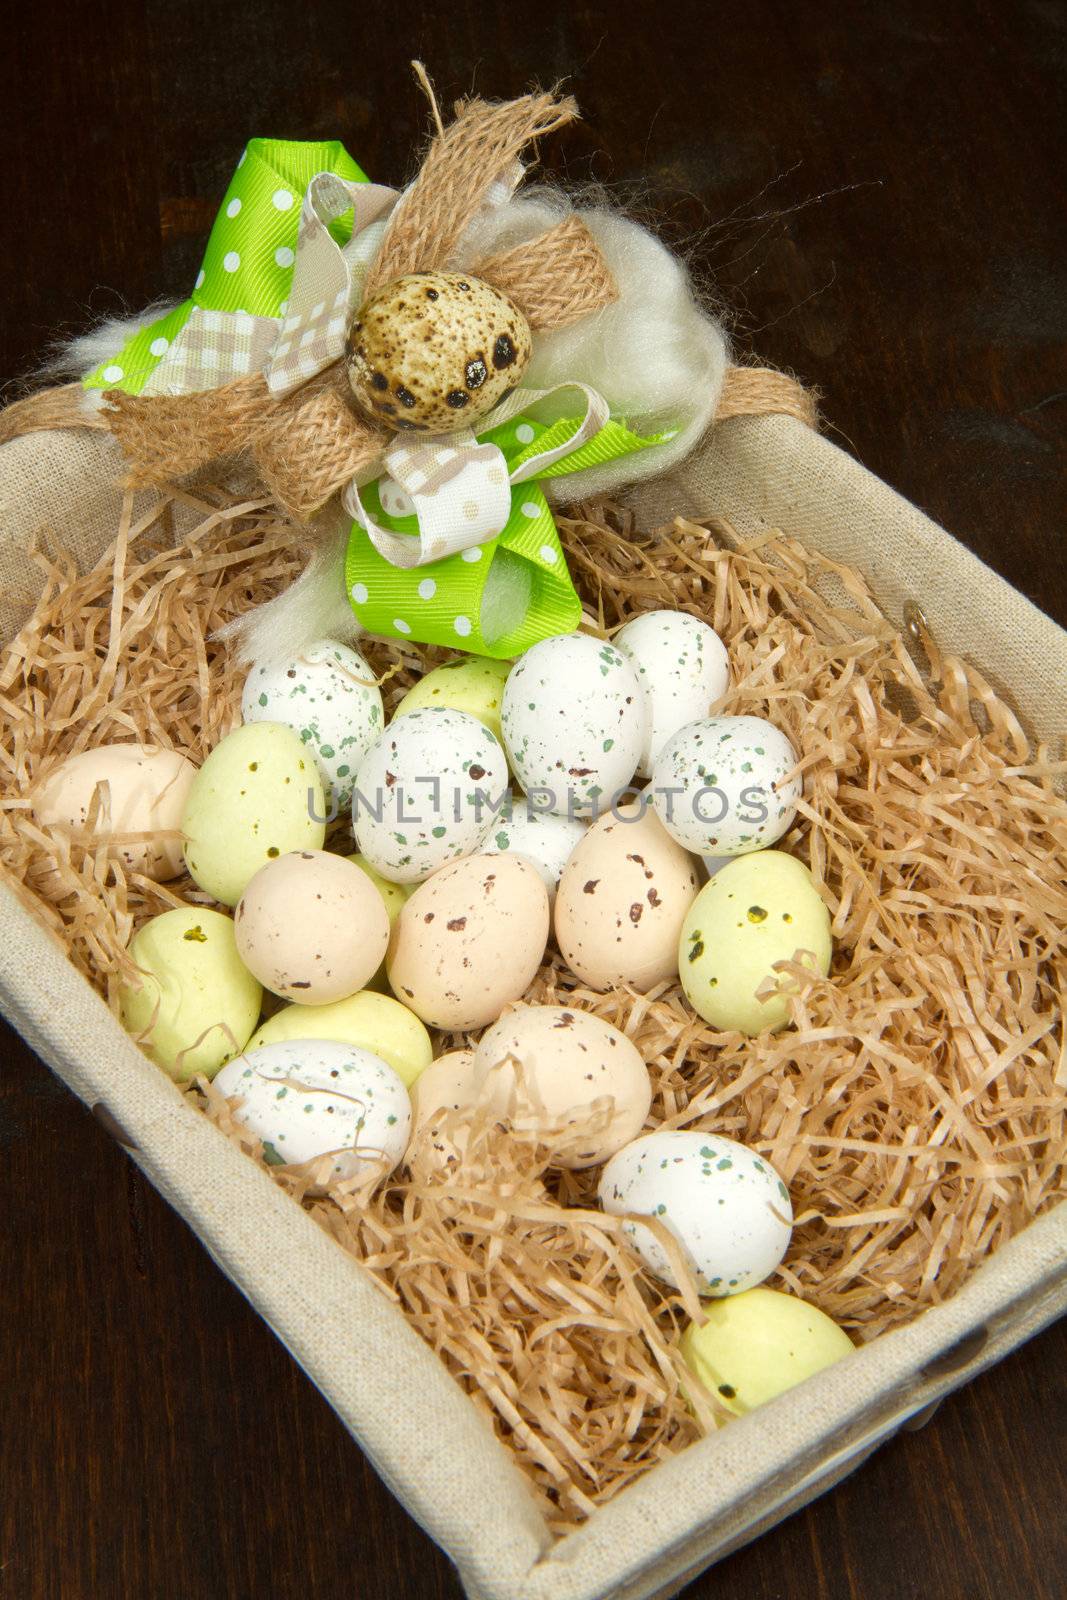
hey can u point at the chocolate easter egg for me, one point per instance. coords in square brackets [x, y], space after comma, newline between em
[433, 351]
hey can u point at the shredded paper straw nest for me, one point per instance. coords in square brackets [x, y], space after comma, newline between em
[916, 1109]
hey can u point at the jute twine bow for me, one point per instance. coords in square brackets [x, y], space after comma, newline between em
[308, 444]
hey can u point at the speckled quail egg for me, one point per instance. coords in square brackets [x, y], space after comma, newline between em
[329, 696]
[306, 1098]
[426, 792]
[726, 1206]
[757, 910]
[574, 720]
[433, 351]
[721, 788]
[682, 666]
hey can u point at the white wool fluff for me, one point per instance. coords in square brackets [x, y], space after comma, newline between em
[655, 355]
[101, 343]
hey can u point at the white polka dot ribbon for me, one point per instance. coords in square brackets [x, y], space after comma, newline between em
[327, 279]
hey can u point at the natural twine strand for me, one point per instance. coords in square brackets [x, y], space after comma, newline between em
[460, 165]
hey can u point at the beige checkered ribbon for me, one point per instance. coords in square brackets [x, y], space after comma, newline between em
[326, 279]
[212, 348]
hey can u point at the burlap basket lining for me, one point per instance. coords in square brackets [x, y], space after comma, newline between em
[753, 472]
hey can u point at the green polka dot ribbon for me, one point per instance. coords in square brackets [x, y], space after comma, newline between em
[499, 597]
[248, 263]
[495, 597]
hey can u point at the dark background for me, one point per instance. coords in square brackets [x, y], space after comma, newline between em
[877, 193]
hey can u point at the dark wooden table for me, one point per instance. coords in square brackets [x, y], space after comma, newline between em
[877, 193]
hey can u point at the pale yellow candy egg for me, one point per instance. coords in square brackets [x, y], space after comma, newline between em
[257, 796]
[757, 910]
[756, 1345]
[433, 351]
[312, 927]
[473, 684]
[370, 1021]
[146, 792]
[197, 1000]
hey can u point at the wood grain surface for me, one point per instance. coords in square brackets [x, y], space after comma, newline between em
[876, 191]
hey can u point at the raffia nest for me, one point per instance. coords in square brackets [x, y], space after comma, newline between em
[916, 1108]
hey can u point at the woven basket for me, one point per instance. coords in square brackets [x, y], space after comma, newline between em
[428, 1442]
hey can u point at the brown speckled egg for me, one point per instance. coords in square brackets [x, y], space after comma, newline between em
[435, 350]
[622, 900]
[311, 927]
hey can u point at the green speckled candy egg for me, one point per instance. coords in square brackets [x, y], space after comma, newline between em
[725, 1204]
[472, 684]
[756, 1345]
[369, 1021]
[433, 351]
[756, 910]
[306, 1098]
[329, 696]
[256, 797]
[197, 998]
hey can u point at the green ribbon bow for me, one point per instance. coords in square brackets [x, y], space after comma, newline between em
[496, 598]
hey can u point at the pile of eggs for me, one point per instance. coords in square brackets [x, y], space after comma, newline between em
[500, 806]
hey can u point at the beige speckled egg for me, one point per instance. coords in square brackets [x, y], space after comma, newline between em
[622, 900]
[470, 939]
[311, 927]
[442, 1099]
[146, 793]
[581, 1080]
[435, 350]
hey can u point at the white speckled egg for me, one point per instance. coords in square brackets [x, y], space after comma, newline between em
[328, 695]
[757, 910]
[469, 940]
[146, 793]
[683, 669]
[622, 900]
[574, 722]
[306, 1098]
[540, 836]
[726, 1206]
[433, 351]
[194, 1003]
[375, 1022]
[426, 792]
[720, 785]
[257, 796]
[312, 927]
[582, 1082]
